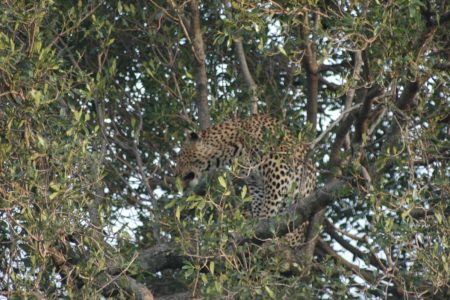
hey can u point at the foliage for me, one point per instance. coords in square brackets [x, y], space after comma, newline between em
[95, 99]
[52, 170]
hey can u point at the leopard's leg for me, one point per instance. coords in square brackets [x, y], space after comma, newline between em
[257, 195]
[257, 192]
[297, 237]
[277, 183]
[306, 180]
[282, 182]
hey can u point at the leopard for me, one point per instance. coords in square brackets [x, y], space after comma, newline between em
[275, 165]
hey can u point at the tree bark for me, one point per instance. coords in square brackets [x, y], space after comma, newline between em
[248, 78]
[201, 78]
[312, 93]
[312, 84]
[247, 75]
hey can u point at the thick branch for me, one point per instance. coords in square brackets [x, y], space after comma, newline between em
[404, 103]
[350, 94]
[312, 93]
[140, 291]
[407, 99]
[362, 122]
[354, 250]
[106, 282]
[312, 235]
[312, 85]
[201, 78]
[248, 78]
[240, 53]
[367, 275]
[159, 257]
[341, 133]
[177, 296]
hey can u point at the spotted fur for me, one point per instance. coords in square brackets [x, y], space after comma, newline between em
[274, 165]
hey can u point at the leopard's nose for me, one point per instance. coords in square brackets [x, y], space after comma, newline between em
[189, 180]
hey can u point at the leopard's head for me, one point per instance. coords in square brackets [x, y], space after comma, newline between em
[193, 160]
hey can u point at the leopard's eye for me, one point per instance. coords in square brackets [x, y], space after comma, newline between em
[189, 176]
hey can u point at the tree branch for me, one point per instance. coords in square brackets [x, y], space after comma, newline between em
[240, 53]
[177, 296]
[312, 86]
[312, 235]
[341, 133]
[106, 281]
[160, 257]
[201, 78]
[342, 116]
[365, 274]
[248, 78]
[375, 261]
[350, 94]
[330, 85]
[362, 123]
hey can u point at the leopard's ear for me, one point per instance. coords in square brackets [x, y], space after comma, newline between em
[194, 136]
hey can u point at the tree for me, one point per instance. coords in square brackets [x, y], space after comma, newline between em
[95, 100]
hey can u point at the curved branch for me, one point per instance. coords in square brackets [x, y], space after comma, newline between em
[365, 274]
[248, 78]
[343, 115]
[240, 53]
[375, 261]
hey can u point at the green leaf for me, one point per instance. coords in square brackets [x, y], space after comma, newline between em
[438, 216]
[282, 50]
[261, 44]
[42, 141]
[211, 267]
[53, 195]
[55, 186]
[270, 292]
[170, 204]
[406, 213]
[218, 286]
[201, 203]
[244, 192]
[204, 278]
[36, 95]
[178, 213]
[222, 182]
[389, 224]
[110, 42]
[179, 185]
